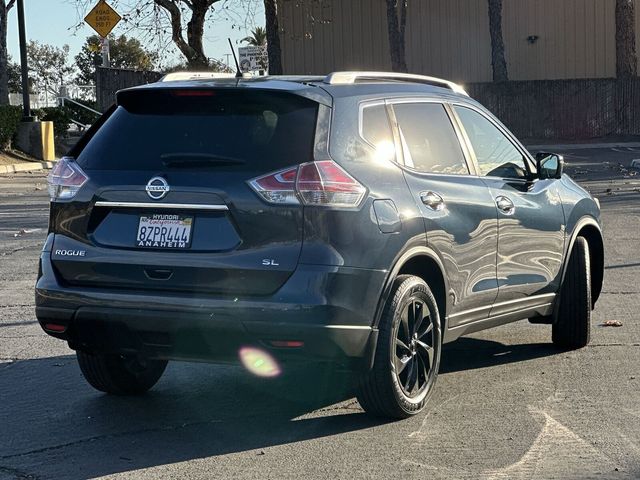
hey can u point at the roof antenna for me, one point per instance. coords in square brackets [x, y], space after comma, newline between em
[238, 71]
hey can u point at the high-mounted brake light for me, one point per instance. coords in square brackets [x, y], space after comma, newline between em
[65, 179]
[315, 183]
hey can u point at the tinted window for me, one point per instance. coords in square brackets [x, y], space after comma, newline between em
[376, 130]
[260, 130]
[496, 155]
[430, 142]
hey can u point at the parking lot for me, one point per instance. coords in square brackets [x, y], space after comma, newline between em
[507, 404]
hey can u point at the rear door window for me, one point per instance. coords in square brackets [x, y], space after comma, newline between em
[429, 140]
[252, 130]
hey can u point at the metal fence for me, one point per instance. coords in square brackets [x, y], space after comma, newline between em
[564, 109]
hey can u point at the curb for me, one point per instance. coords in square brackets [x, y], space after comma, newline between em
[25, 167]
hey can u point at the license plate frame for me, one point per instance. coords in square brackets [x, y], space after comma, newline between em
[177, 233]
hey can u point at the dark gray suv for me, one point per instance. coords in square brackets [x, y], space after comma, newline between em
[361, 218]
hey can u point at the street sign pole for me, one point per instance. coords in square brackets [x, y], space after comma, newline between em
[106, 59]
[26, 101]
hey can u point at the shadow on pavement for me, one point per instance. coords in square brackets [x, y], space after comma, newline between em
[54, 424]
[57, 426]
[472, 353]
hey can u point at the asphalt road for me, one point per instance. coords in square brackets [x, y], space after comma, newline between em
[507, 404]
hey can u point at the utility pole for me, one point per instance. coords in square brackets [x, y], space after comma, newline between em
[26, 101]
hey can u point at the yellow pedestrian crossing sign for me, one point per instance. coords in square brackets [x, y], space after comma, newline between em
[102, 18]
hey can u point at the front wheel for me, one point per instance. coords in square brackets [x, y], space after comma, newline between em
[572, 324]
[118, 374]
[408, 352]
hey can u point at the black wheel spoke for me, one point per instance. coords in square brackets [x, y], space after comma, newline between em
[401, 363]
[404, 325]
[418, 316]
[428, 328]
[402, 346]
[412, 367]
[426, 352]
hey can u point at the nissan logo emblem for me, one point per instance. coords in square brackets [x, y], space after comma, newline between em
[157, 188]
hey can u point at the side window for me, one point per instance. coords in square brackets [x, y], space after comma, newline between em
[496, 155]
[429, 140]
[376, 130]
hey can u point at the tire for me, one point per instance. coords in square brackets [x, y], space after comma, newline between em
[401, 380]
[572, 325]
[120, 375]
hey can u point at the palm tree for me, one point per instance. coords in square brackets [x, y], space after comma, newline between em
[396, 24]
[626, 58]
[258, 37]
[498, 61]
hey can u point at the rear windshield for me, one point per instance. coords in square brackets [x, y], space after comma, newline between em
[156, 130]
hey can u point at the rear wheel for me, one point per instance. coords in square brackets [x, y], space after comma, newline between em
[118, 374]
[572, 325]
[408, 352]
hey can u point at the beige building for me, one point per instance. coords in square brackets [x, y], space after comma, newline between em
[544, 39]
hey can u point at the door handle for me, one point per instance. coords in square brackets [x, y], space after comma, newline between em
[432, 200]
[505, 205]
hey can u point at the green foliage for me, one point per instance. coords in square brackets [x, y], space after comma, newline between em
[60, 116]
[9, 119]
[48, 65]
[83, 115]
[258, 37]
[124, 53]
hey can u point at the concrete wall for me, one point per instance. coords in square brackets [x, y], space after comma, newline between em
[450, 38]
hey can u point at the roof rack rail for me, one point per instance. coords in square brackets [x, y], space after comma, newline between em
[346, 78]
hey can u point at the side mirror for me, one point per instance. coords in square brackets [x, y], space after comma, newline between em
[550, 165]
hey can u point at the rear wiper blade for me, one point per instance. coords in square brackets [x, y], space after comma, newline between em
[198, 159]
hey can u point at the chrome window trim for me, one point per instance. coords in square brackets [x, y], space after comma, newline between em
[159, 206]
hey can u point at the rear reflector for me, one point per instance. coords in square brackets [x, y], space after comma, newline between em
[286, 343]
[54, 327]
[315, 183]
[65, 179]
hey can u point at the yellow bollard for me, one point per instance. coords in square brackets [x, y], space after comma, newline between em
[48, 144]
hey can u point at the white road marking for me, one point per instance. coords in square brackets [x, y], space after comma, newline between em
[556, 449]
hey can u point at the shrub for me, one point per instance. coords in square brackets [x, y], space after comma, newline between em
[9, 119]
[82, 115]
[60, 116]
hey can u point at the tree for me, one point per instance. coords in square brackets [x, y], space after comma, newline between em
[258, 37]
[626, 58]
[273, 37]
[14, 74]
[181, 20]
[49, 66]
[124, 53]
[396, 25]
[498, 61]
[4, 56]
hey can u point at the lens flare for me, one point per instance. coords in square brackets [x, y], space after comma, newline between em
[259, 362]
[385, 151]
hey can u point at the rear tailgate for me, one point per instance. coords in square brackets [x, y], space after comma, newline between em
[198, 226]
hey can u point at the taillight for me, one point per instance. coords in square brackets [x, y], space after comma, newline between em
[65, 179]
[314, 183]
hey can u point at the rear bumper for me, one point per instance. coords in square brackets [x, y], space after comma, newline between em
[329, 309]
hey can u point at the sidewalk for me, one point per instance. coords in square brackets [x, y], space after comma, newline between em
[11, 162]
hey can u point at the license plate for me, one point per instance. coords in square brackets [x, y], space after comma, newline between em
[164, 231]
